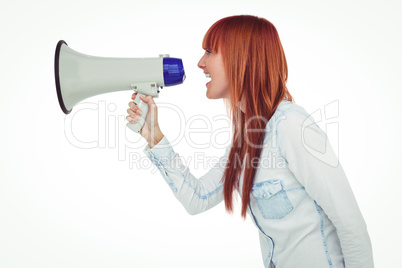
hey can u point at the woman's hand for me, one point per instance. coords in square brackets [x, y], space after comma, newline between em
[150, 131]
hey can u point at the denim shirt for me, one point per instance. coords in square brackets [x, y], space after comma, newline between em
[301, 201]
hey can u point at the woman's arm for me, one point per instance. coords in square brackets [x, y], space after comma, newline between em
[312, 160]
[196, 195]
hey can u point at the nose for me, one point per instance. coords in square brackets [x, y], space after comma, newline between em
[201, 63]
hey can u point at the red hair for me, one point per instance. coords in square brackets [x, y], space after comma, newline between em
[257, 71]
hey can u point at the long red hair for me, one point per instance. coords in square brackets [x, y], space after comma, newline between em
[257, 71]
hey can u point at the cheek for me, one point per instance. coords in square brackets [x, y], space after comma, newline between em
[223, 82]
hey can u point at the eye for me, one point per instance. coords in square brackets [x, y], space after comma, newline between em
[208, 51]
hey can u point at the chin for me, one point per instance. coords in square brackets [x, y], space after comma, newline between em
[212, 96]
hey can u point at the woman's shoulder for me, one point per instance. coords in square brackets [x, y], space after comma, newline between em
[291, 122]
[287, 109]
[289, 115]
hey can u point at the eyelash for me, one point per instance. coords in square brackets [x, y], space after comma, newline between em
[208, 51]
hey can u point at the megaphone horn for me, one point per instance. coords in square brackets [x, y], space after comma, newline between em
[79, 76]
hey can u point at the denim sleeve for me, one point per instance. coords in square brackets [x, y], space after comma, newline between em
[315, 165]
[195, 194]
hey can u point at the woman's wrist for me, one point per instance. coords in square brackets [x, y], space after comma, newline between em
[155, 137]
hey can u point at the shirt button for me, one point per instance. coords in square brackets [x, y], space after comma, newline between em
[265, 195]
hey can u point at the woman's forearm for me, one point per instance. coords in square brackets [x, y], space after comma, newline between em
[195, 194]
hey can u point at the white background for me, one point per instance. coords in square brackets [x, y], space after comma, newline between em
[65, 206]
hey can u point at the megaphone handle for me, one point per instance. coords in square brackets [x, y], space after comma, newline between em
[137, 126]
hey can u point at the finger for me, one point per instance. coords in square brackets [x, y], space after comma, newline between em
[131, 104]
[133, 96]
[130, 119]
[134, 108]
[132, 114]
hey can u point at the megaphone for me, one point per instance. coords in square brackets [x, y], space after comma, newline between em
[79, 76]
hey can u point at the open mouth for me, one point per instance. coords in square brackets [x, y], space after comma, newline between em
[208, 76]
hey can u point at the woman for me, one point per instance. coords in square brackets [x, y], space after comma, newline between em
[302, 204]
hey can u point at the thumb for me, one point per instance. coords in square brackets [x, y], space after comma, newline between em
[148, 99]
